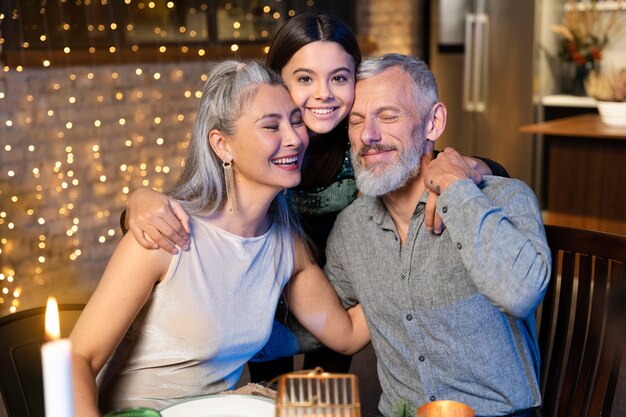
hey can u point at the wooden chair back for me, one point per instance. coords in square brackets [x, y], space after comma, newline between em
[21, 337]
[579, 324]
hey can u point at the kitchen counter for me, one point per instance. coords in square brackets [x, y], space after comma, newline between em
[585, 167]
[586, 125]
[565, 100]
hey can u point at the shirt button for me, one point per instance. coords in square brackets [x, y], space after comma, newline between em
[433, 398]
[458, 245]
[409, 317]
[403, 276]
[445, 209]
[421, 358]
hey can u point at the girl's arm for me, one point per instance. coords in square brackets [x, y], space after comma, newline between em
[156, 220]
[124, 288]
[315, 304]
[481, 166]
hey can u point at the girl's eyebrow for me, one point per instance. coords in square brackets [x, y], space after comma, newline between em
[310, 71]
[307, 70]
[341, 69]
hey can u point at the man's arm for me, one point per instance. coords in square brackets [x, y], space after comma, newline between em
[500, 237]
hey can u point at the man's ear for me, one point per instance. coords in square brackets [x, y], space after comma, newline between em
[436, 123]
[220, 145]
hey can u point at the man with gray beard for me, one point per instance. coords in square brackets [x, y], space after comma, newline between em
[452, 315]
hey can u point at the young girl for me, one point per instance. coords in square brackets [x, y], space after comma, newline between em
[170, 327]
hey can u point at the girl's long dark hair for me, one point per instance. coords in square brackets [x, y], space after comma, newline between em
[307, 28]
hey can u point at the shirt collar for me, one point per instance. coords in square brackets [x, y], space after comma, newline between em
[379, 211]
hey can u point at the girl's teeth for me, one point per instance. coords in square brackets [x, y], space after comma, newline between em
[322, 111]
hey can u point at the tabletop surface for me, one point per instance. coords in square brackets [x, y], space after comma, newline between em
[586, 125]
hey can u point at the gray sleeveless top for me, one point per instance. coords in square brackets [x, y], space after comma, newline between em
[211, 313]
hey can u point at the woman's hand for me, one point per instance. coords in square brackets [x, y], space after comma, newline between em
[157, 221]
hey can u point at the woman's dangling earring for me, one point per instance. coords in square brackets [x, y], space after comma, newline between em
[230, 184]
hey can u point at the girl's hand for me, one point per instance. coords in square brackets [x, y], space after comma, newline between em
[446, 168]
[157, 221]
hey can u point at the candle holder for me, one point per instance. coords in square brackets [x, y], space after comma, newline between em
[315, 393]
[445, 408]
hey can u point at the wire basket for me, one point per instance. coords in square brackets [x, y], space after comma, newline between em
[317, 393]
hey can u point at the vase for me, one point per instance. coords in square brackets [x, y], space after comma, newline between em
[580, 77]
[612, 113]
[576, 75]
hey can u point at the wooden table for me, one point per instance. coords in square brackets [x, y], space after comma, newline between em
[586, 125]
[585, 166]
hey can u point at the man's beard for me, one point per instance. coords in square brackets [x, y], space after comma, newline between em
[392, 176]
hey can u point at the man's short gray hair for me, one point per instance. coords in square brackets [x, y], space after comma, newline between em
[424, 83]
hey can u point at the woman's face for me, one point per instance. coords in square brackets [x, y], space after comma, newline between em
[269, 141]
[320, 78]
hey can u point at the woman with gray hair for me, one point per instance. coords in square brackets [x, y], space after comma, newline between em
[161, 327]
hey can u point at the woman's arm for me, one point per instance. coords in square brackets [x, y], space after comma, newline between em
[156, 221]
[124, 288]
[315, 304]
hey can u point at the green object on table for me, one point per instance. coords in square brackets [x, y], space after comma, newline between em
[134, 412]
[404, 408]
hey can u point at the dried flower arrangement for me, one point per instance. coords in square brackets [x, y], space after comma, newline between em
[585, 31]
[607, 86]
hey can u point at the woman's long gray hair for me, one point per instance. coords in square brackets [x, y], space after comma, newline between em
[227, 93]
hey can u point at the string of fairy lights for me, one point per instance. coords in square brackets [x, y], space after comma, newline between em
[71, 150]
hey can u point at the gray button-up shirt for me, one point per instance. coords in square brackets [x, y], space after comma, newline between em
[451, 316]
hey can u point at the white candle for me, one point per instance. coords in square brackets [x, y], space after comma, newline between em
[56, 359]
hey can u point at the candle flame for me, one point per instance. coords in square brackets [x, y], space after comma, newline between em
[53, 328]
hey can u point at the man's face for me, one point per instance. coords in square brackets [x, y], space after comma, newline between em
[385, 132]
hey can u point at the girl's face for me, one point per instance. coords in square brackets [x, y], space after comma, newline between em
[320, 78]
[269, 141]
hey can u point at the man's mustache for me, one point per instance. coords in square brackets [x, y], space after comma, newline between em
[376, 148]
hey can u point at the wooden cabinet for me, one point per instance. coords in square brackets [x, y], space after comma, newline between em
[585, 172]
